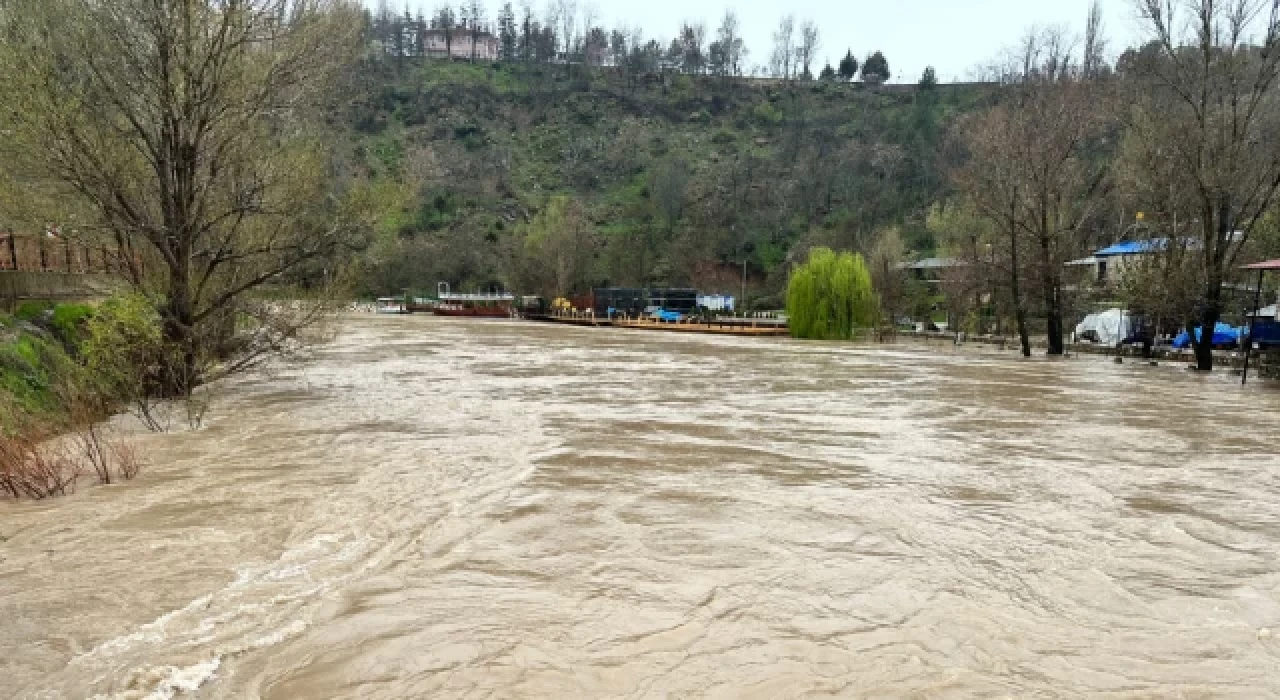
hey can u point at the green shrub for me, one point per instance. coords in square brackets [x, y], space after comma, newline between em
[766, 114]
[68, 322]
[32, 310]
[701, 116]
[124, 346]
[29, 367]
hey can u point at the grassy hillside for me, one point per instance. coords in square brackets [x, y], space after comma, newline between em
[682, 177]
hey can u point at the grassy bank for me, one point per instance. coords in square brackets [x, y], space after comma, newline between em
[39, 345]
[63, 369]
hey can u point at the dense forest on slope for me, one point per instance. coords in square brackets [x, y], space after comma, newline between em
[668, 178]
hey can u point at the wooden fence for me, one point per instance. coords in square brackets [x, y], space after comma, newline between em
[48, 253]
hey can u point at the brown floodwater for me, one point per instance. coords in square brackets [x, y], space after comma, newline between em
[447, 508]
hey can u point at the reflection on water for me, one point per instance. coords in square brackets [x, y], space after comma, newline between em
[455, 508]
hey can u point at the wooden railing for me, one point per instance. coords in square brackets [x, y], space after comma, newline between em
[47, 253]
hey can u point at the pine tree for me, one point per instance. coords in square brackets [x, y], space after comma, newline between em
[875, 70]
[445, 22]
[929, 80]
[507, 32]
[848, 67]
[828, 73]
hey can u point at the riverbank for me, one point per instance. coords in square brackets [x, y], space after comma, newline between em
[37, 348]
[64, 369]
[1266, 364]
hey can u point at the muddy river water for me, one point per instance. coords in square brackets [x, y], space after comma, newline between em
[439, 508]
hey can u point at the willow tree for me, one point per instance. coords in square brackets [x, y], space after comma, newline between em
[831, 296]
[189, 134]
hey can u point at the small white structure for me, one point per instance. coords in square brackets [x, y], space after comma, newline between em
[391, 305]
[1108, 328]
[716, 302]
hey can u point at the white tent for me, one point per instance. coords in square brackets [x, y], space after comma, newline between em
[1266, 312]
[1111, 327]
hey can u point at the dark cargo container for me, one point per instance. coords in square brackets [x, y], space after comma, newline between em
[633, 301]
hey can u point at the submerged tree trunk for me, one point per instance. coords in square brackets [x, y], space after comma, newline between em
[1019, 311]
[1209, 318]
[1051, 289]
[179, 371]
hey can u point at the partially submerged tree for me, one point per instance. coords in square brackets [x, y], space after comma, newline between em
[993, 184]
[186, 132]
[1039, 168]
[1208, 102]
[831, 296]
[889, 278]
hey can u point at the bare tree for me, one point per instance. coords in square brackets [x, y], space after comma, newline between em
[593, 37]
[992, 181]
[475, 17]
[446, 21]
[1051, 164]
[1210, 91]
[784, 48]
[565, 13]
[729, 36]
[199, 157]
[1095, 44]
[810, 42]
[691, 42]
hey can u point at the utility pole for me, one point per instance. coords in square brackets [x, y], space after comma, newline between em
[1253, 328]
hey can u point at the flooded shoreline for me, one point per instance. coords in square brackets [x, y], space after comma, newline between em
[458, 508]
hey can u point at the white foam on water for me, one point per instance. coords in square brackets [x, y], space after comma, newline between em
[153, 631]
[186, 679]
[292, 629]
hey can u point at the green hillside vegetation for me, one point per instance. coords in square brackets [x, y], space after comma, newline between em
[680, 176]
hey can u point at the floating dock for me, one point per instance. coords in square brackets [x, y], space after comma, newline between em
[750, 327]
[759, 328]
[571, 320]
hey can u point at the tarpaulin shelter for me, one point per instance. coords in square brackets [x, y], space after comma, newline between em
[1224, 334]
[1110, 328]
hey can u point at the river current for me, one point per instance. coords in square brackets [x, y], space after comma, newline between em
[447, 508]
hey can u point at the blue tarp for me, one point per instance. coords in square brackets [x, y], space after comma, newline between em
[1223, 334]
[1133, 247]
[664, 315]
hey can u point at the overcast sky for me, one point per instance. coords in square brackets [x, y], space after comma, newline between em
[954, 36]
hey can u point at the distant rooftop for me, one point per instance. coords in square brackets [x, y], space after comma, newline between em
[934, 264]
[1268, 265]
[1133, 248]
